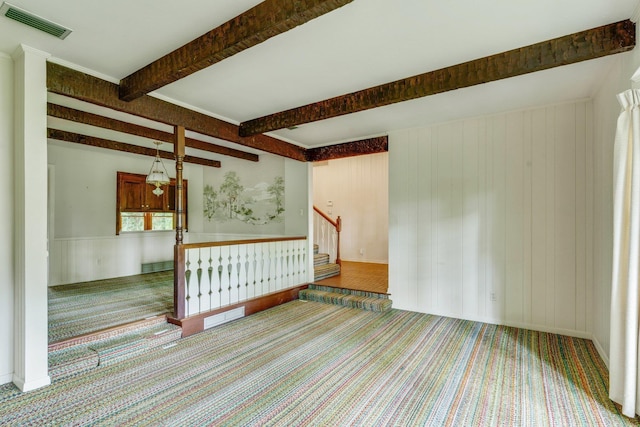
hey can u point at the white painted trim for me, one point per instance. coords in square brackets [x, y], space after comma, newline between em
[531, 327]
[370, 261]
[4, 379]
[81, 69]
[31, 385]
[23, 48]
[600, 349]
[4, 55]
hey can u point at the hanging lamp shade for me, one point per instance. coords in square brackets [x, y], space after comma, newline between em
[158, 174]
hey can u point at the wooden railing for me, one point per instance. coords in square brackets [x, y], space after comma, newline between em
[209, 276]
[326, 234]
[213, 275]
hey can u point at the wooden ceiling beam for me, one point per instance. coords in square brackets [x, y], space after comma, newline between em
[256, 25]
[582, 46]
[378, 144]
[93, 141]
[71, 114]
[78, 85]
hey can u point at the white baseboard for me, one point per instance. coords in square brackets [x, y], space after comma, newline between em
[371, 261]
[31, 385]
[532, 327]
[601, 352]
[4, 379]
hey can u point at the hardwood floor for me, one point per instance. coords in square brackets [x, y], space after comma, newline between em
[362, 276]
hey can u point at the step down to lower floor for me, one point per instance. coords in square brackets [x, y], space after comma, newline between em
[325, 271]
[370, 301]
[320, 259]
[105, 348]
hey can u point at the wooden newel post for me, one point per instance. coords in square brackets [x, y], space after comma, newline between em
[338, 230]
[178, 252]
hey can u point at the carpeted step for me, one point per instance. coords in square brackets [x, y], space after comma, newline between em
[370, 301]
[71, 360]
[320, 259]
[133, 344]
[84, 353]
[325, 270]
[316, 248]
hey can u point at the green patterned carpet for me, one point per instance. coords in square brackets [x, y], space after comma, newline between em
[80, 308]
[308, 363]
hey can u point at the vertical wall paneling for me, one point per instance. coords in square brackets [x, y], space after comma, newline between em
[580, 216]
[514, 216]
[483, 295]
[470, 218]
[434, 161]
[400, 227]
[527, 240]
[496, 218]
[538, 216]
[425, 232]
[549, 283]
[589, 219]
[565, 230]
[412, 218]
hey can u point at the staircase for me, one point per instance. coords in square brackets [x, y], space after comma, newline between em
[370, 301]
[322, 268]
[108, 347]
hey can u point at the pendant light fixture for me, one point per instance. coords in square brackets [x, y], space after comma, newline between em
[158, 174]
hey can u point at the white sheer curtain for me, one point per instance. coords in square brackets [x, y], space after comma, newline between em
[624, 381]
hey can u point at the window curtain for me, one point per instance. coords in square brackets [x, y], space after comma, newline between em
[624, 379]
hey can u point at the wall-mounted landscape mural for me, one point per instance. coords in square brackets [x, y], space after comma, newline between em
[258, 205]
[244, 197]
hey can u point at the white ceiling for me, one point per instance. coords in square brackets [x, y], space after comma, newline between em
[362, 44]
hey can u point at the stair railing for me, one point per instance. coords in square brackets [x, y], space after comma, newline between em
[214, 275]
[326, 234]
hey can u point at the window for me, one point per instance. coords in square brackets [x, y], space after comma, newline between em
[138, 209]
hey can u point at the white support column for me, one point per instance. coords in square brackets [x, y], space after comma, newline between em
[30, 244]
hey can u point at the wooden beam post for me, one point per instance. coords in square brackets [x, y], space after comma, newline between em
[585, 45]
[178, 251]
[78, 85]
[265, 20]
[71, 114]
[93, 141]
[378, 144]
[178, 150]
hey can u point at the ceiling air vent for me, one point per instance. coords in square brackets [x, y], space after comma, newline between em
[34, 21]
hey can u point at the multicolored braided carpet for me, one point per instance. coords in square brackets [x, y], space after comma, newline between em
[308, 363]
[81, 308]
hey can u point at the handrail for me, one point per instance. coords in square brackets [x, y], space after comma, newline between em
[337, 224]
[241, 242]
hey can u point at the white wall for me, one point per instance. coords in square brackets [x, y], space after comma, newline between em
[6, 218]
[358, 188]
[497, 208]
[85, 246]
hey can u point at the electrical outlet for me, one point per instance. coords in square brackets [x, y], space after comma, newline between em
[361, 251]
[494, 297]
